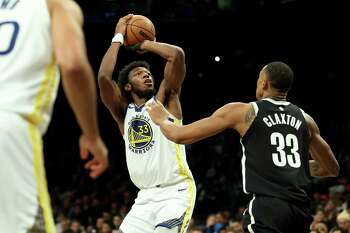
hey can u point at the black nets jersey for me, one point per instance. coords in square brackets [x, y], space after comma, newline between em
[275, 152]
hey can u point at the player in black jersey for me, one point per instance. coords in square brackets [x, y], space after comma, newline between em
[277, 140]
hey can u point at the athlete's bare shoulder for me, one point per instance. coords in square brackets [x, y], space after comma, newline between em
[239, 113]
[250, 115]
[247, 116]
[311, 124]
[67, 5]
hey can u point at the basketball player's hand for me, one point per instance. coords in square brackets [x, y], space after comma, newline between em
[121, 25]
[95, 146]
[139, 47]
[157, 112]
[136, 48]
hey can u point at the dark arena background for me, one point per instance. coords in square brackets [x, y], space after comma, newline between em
[226, 43]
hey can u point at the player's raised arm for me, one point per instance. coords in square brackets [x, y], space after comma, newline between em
[109, 90]
[174, 74]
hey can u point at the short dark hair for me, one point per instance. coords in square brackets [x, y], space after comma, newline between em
[280, 75]
[123, 77]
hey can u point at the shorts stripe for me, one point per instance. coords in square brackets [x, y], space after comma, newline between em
[189, 210]
[184, 172]
[252, 220]
[39, 170]
[171, 223]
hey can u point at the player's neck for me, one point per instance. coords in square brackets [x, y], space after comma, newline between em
[276, 95]
[139, 101]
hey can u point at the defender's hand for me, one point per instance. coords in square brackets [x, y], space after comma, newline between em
[99, 163]
[157, 112]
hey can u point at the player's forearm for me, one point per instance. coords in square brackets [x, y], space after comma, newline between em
[180, 134]
[108, 62]
[175, 69]
[166, 51]
[317, 171]
[80, 89]
[323, 155]
[172, 131]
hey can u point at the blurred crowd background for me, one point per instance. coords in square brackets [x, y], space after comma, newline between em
[226, 43]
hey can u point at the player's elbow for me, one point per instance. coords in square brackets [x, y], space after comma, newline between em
[177, 54]
[333, 167]
[175, 136]
[178, 140]
[334, 170]
[103, 80]
[182, 139]
[74, 64]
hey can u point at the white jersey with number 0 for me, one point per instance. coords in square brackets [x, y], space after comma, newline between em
[28, 87]
[28, 75]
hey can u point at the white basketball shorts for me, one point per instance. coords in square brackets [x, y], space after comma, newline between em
[24, 200]
[168, 207]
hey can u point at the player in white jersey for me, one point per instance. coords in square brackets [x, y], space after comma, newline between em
[156, 165]
[36, 38]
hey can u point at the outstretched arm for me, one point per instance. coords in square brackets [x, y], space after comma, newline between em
[174, 74]
[78, 79]
[324, 163]
[229, 116]
[109, 90]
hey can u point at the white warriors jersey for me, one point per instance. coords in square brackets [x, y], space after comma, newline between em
[29, 76]
[152, 159]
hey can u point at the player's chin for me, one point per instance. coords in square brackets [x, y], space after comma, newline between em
[148, 88]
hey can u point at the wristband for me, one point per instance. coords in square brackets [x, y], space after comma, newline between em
[118, 38]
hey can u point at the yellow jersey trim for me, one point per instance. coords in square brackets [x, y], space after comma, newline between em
[192, 191]
[39, 171]
[46, 89]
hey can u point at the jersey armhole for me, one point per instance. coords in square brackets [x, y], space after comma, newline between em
[256, 108]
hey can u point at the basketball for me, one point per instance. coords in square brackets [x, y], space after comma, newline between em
[138, 29]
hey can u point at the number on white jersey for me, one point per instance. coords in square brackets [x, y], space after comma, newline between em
[8, 36]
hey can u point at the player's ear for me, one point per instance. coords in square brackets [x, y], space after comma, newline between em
[127, 87]
[265, 84]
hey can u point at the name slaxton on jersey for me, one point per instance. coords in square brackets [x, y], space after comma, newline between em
[282, 119]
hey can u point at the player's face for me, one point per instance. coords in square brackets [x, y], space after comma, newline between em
[142, 82]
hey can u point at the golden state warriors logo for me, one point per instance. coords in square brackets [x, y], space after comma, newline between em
[140, 135]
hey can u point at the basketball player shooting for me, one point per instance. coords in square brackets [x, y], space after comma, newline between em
[277, 138]
[156, 165]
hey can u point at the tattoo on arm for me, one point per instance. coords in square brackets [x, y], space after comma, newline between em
[250, 115]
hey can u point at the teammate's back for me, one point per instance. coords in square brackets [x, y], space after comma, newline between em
[276, 152]
[29, 77]
[34, 35]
